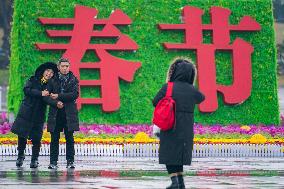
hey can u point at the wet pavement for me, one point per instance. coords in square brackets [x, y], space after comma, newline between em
[114, 173]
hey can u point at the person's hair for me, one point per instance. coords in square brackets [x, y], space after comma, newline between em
[174, 64]
[48, 69]
[62, 59]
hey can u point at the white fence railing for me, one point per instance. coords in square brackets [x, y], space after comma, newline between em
[151, 150]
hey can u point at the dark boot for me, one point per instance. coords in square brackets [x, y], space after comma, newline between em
[35, 154]
[181, 181]
[70, 164]
[175, 183]
[21, 151]
[20, 160]
[53, 165]
[34, 163]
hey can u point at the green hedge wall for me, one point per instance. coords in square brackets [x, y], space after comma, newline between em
[136, 107]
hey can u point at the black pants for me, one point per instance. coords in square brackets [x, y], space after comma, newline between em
[61, 123]
[22, 143]
[174, 168]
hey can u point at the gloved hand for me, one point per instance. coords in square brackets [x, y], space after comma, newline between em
[156, 131]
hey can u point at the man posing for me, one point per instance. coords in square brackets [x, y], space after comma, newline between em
[63, 113]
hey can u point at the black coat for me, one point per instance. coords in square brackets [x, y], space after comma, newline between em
[68, 97]
[31, 116]
[176, 144]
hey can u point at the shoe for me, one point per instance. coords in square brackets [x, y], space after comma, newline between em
[70, 164]
[34, 164]
[20, 161]
[53, 165]
[177, 183]
[181, 181]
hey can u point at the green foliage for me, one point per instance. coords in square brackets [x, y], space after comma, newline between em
[261, 107]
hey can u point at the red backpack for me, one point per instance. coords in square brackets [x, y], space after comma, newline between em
[164, 113]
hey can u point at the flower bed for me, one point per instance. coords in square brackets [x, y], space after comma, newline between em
[132, 134]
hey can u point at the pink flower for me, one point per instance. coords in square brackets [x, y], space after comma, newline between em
[4, 116]
[93, 131]
[5, 128]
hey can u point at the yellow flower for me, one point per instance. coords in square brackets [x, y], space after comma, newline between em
[245, 127]
[46, 134]
[62, 140]
[119, 140]
[141, 137]
[258, 139]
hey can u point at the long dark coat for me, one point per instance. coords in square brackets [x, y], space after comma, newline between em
[68, 97]
[31, 116]
[176, 144]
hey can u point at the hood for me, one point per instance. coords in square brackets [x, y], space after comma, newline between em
[182, 71]
[48, 65]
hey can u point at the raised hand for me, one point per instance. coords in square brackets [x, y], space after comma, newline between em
[54, 96]
[60, 105]
[45, 93]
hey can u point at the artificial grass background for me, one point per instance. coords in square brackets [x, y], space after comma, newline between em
[136, 107]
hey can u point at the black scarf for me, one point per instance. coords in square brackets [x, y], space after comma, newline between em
[63, 81]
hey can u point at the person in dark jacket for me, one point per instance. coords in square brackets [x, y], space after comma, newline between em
[31, 116]
[176, 144]
[63, 113]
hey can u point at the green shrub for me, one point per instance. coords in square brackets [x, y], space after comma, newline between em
[261, 107]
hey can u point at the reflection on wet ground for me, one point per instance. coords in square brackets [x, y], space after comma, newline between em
[107, 172]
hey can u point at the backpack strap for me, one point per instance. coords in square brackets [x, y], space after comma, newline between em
[170, 89]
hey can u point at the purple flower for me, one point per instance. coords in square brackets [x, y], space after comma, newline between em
[199, 129]
[4, 116]
[5, 128]
[93, 131]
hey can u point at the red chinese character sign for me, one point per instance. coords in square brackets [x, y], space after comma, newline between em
[241, 51]
[111, 68]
